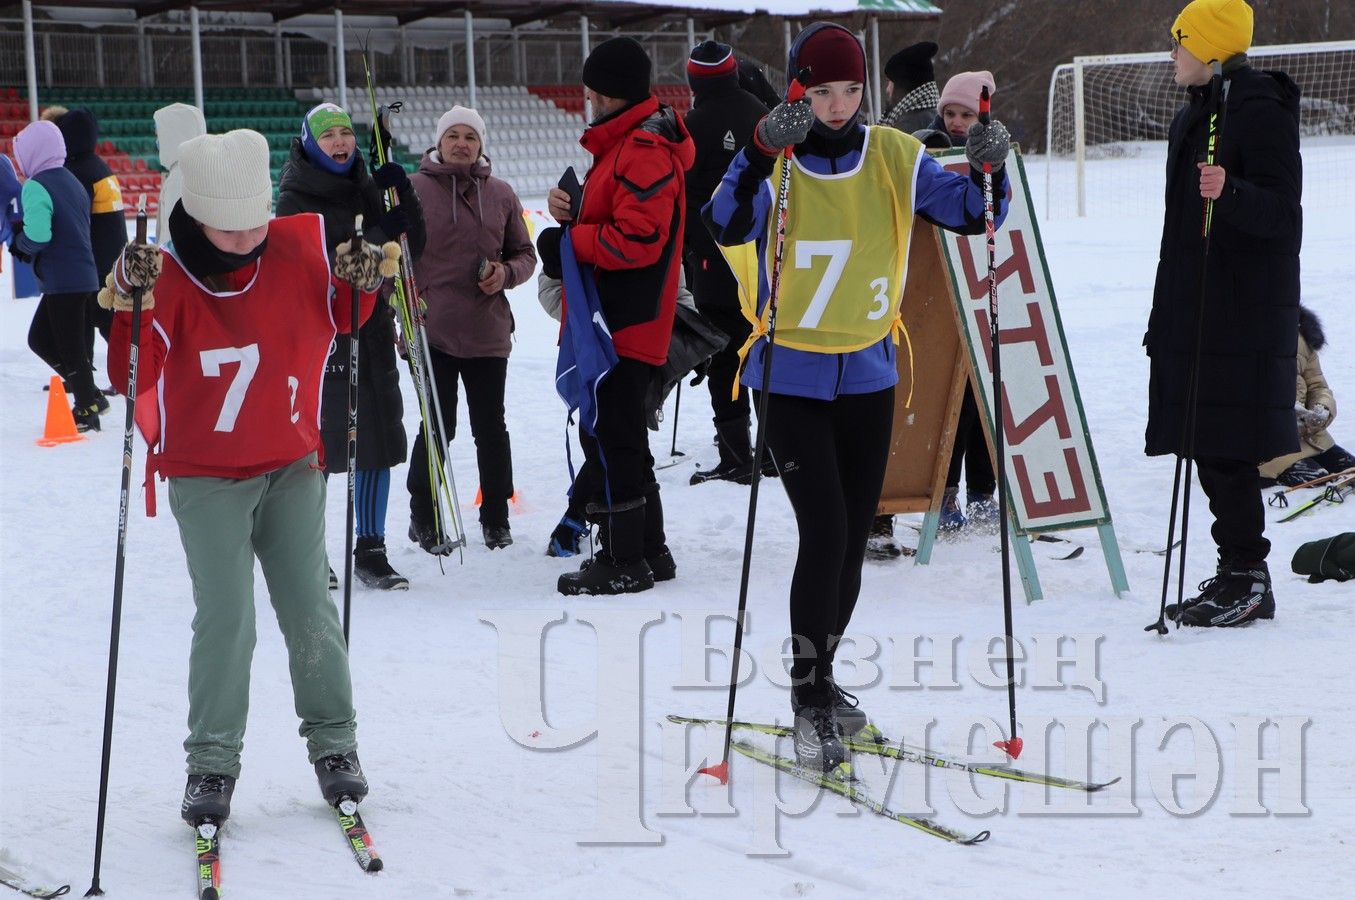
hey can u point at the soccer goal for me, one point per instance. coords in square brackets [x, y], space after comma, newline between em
[1105, 141]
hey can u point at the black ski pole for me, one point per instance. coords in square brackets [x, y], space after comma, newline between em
[124, 496]
[1218, 99]
[677, 407]
[1012, 746]
[794, 93]
[352, 437]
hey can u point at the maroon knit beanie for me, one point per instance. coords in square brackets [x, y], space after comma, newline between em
[832, 54]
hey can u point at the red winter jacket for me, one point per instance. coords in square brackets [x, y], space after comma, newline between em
[630, 224]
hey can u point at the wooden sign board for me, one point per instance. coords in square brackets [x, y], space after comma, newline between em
[1053, 482]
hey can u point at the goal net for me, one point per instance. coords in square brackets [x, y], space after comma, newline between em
[1105, 144]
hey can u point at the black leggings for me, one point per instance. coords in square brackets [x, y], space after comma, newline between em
[57, 336]
[832, 456]
[971, 449]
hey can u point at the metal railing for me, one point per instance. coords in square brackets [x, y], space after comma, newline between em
[149, 54]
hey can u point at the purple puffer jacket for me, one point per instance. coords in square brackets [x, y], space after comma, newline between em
[470, 216]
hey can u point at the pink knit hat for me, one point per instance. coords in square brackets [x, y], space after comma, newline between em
[963, 90]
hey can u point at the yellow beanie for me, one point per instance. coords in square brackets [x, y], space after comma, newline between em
[1214, 29]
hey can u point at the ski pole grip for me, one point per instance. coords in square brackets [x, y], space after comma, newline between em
[141, 220]
[985, 104]
[795, 91]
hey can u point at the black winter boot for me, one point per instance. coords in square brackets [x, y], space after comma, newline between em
[207, 796]
[496, 537]
[341, 777]
[373, 568]
[621, 567]
[423, 533]
[657, 554]
[881, 543]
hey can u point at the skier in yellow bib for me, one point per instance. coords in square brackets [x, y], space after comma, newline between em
[853, 194]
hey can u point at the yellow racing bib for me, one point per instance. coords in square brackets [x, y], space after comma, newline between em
[846, 250]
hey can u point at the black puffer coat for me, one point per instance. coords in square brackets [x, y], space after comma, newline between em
[381, 432]
[1249, 338]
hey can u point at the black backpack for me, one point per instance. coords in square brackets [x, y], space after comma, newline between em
[1332, 557]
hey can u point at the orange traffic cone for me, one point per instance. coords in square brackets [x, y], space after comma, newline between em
[480, 497]
[60, 421]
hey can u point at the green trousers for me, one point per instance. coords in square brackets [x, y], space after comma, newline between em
[224, 524]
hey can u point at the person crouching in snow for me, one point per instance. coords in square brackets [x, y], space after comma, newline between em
[326, 174]
[238, 316]
[1315, 407]
[853, 192]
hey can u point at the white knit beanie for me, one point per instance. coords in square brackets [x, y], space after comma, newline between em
[460, 115]
[226, 180]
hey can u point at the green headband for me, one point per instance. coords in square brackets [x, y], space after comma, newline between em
[326, 116]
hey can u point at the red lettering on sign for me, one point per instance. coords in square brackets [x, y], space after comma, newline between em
[1057, 504]
[1034, 332]
[1051, 408]
[1018, 262]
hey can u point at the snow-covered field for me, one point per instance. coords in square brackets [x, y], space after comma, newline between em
[480, 690]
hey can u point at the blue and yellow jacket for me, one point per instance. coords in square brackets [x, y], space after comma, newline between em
[741, 209]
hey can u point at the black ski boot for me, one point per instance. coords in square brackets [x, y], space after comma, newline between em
[621, 567]
[1302, 472]
[818, 739]
[1238, 594]
[564, 540]
[496, 536]
[87, 417]
[850, 716]
[880, 543]
[341, 776]
[373, 568]
[427, 537]
[333, 579]
[207, 796]
[736, 454]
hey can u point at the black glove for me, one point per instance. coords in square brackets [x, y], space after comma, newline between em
[381, 128]
[987, 144]
[784, 126]
[392, 175]
[18, 254]
[548, 250]
[394, 223]
[699, 373]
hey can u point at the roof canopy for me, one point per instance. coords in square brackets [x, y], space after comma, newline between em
[605, 14]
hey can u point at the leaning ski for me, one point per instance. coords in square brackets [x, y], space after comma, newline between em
[880, 746]
[13, 879]
[849, 789]
[207, 841]
[359, 840]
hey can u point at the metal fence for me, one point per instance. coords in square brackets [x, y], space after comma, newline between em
[161, 55]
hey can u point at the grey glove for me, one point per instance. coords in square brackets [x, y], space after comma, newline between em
[1314, 417]
[786, 125]
[987, 144]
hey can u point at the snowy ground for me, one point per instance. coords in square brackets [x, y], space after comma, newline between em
[474, 793]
